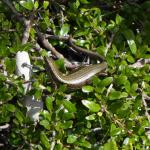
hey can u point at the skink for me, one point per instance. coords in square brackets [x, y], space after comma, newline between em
[76, 79]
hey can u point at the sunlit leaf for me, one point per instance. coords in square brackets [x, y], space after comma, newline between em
[92, 106]
[87, 89]
[69, 106]
[130, 40]
[45, 124]
[71, 139]
[65, 29]
[45, 4]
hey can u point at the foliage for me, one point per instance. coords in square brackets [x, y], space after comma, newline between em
[109, 113]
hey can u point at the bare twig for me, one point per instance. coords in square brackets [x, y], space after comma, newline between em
[108, 46]
[53, 140]
[26, 32]
[8, 30]
[85, 51]
[77, 48]
[20, 17]
[56, 37]
[145, 106]
[48, 46]
[140, 63]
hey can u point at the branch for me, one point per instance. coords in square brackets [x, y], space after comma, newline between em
[12, 8]
[20, 17]
[144, 97]
[77, 48]
[85, 51]
[26, 32]
[48, 46]
[140, 63]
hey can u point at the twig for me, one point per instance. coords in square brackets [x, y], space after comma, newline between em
[20, 17]
[49, 47]
[56, 37]
[145, 106]
[140, 63]
[53, 140]
[85, 51]
[108, 46]
[77, 48]
[8, 30]
[17, 14]
[26, 32]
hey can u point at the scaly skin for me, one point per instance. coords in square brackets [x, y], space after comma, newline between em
[77, 79]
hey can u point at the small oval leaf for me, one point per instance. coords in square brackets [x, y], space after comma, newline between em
[71, 139]
[92, 106]
[69, 106]
[87, 89]
[44, 140]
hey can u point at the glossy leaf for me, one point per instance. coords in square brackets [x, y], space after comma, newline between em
[115, 95]
[92, 106]
[45, 124]
[71, 139]
[10, 107]
[65, 29]
[91, 117]
[87, 89]
[44, 140]
[69, 106]
[45, 4]
[107, 81]
[49, 101]
[111, 145]
[131, 40]
[27, 4]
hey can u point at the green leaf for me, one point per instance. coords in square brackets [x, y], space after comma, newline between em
[121, 79]
[92, 106]
[84, 143]
[130, 59]
[91, 117]
[45, 124]
[68, 116]
[10, 107]
[36, 4]
[65, 29]
[147, 77]
[45, 4]
[77, 3]
[87, 89]
[39, 147]
[46, 115]
[114, 131]
[71, 139]
[27, 4]
[115, 95]
[10, 64]
[67, 124]
[119, 19]
[84, 1]
[49, 103]
[107, 81]
[44, 140]
[129, 35]
[69, 106]
[19, 115]
[111, 145]
[47, 21]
